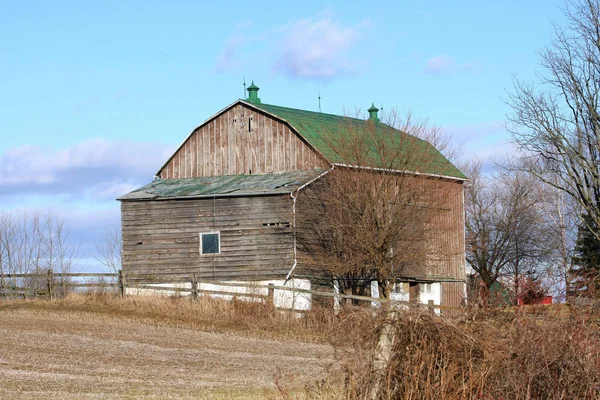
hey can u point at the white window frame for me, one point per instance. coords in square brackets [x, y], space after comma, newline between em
[399, 287]
[218, 233]
[426, 288]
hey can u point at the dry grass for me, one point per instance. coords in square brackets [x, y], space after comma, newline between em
[257, 319]
[100, 346]
[480, 355]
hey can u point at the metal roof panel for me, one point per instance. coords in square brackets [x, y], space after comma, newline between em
[223, 186]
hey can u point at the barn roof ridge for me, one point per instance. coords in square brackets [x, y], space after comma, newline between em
[308, 111]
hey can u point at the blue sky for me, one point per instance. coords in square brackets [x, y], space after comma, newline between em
[94, 96]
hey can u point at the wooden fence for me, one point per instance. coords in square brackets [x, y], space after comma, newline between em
[51, 285]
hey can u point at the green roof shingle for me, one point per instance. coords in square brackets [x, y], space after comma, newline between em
[323, 132]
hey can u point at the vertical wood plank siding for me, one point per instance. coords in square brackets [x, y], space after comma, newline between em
[163, 237]
[241, 141]
[447, 239]
[446, 233]
[453, 294]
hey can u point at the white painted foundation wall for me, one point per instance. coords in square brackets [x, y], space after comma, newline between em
[435, 294]
[281, 298]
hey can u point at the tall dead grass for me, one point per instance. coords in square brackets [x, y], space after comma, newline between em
[492, 355]
[477, 354]
[206, 313]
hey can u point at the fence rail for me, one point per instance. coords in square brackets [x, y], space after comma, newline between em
[48, 284]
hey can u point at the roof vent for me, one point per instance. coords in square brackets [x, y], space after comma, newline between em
[372, 113]
[253, 94]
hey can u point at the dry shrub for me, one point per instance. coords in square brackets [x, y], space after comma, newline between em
[430, 358]
[544, 358]
[498, 355]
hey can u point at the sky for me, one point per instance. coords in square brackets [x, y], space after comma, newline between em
[95, 96]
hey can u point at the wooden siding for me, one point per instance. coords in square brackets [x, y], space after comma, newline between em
[443, 233]
[453, 294]
[163, 237]
[446, 236]
[241, 141]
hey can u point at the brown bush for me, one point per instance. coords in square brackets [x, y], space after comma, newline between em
[496, 355]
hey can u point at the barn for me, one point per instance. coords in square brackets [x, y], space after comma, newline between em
[223, 205]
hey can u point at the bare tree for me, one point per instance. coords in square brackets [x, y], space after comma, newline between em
[556, 122]
[32, 242]
[361, 223]
[532, 239]
[487, 242]
[109, 249]
[563, 216]
[508, 234]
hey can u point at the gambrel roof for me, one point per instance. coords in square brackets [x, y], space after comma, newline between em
[322, 131]
[221, 146]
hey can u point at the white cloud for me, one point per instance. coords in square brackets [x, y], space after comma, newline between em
[233, 54]
[475, 132]
[95, 168]
[488, 141]
[78, 183]
[317, 48]
[441, 63]
[311, 48]
[444, 63]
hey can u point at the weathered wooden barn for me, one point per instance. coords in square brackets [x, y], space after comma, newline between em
[222, 206]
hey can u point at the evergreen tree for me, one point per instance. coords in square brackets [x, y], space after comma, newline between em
[586, 261]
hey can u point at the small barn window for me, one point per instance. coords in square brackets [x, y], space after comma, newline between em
[401, 287]
[425, 287]
[210, 243]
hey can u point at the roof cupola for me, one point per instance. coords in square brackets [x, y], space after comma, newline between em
[373, 113]
[253, 94]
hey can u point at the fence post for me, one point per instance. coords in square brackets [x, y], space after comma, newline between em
[430, 307]
[194, 287]
[49, 283]
[382, 353]
[122, 283]
[271, 295]
[63, 283]
[337, 301]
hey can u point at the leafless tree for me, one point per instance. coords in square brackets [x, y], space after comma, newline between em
[508, 234]
[34, 242]
[487, 243]
[533, 243]
[556, 122]
[359, 224]
[563, 215]
[109, 249]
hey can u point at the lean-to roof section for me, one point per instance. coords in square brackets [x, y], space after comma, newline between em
[223, 186]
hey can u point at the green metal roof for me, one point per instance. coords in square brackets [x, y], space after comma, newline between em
[323, 132]
[223, 186]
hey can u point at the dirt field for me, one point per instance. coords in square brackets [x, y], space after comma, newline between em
[74, 354]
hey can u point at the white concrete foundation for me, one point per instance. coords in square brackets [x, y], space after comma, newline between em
[281, 298]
